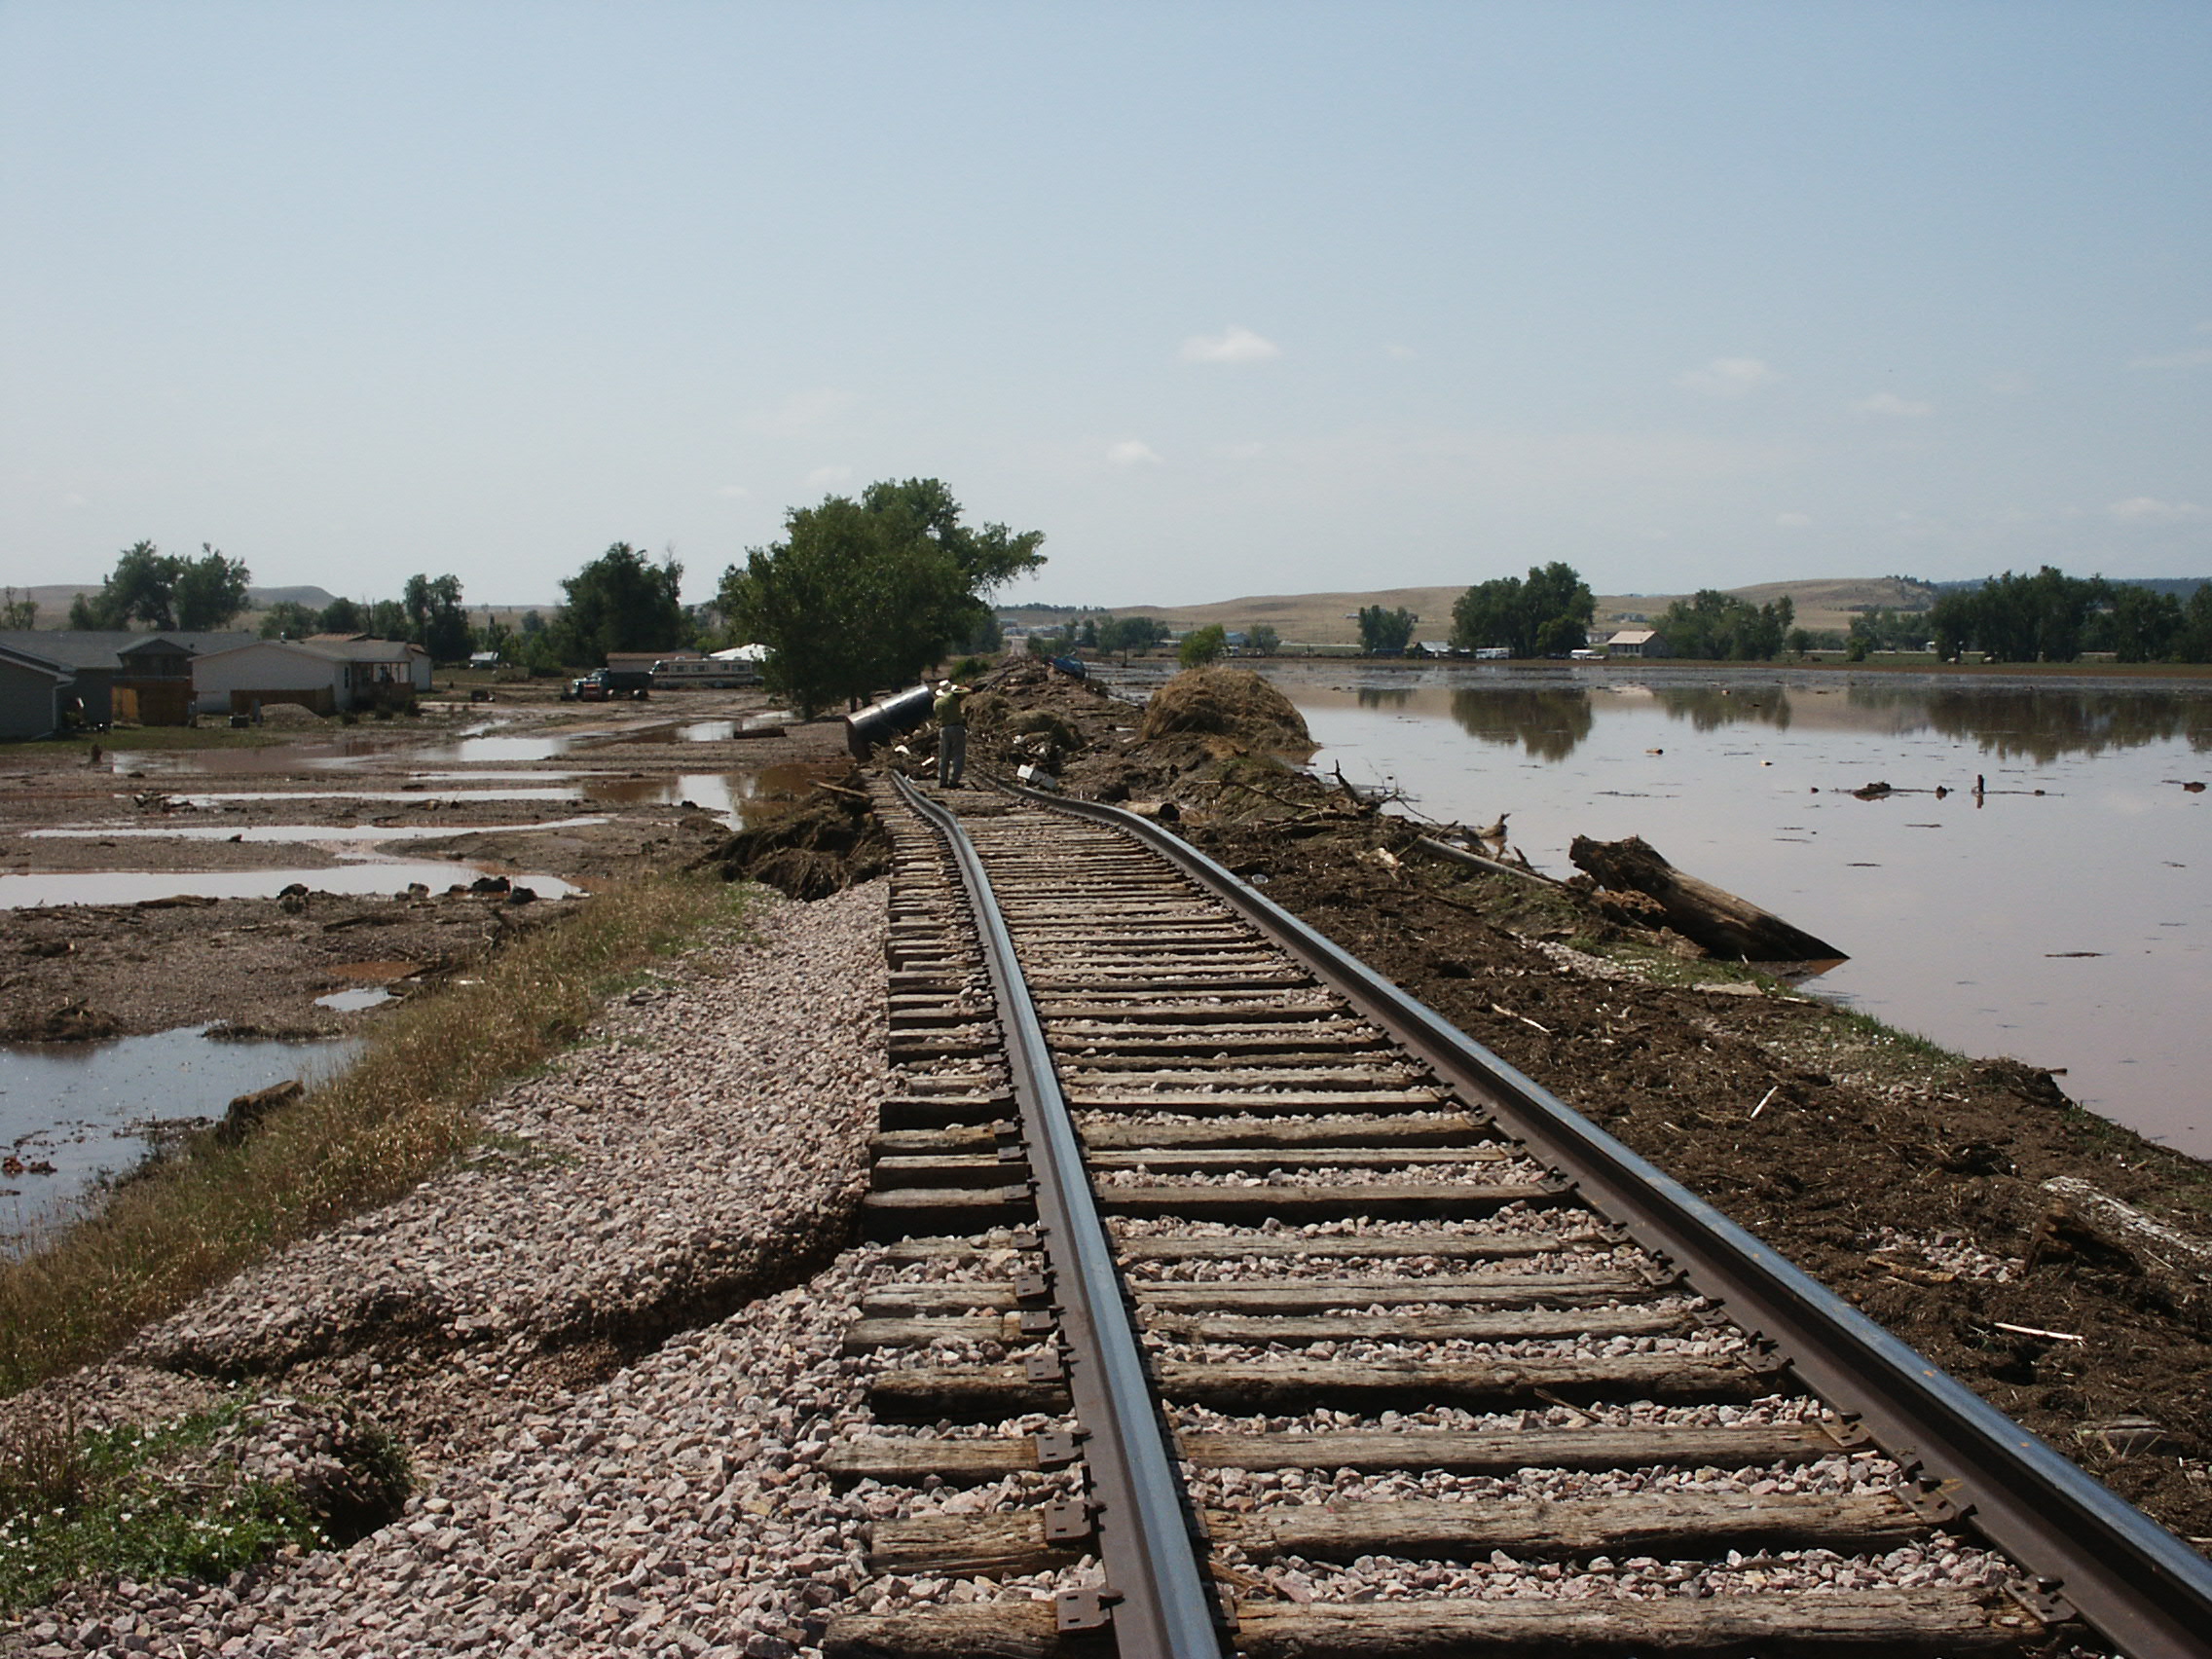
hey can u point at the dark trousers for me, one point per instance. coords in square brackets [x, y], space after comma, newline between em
[951, 754]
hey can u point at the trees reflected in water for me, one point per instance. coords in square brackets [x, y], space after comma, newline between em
[2041, 724]
[1708, 708]
[2046, 723]
[1547, 724]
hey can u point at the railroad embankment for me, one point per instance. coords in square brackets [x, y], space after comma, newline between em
[608, 1339]
[700, 1148]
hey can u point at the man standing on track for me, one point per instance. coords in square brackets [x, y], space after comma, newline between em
[950, 710]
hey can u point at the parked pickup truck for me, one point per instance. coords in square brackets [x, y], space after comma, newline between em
[602, 685]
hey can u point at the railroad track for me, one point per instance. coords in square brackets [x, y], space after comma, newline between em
[1235, 1304]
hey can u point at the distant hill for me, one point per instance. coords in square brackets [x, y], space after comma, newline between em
[54, 601]
[1331, 618]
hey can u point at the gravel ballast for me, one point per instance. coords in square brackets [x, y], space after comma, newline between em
[697, 1161]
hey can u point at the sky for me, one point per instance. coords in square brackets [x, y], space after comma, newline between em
[1224, 297]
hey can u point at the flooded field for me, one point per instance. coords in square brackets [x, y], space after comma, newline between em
[2062, 913]
[303, 886]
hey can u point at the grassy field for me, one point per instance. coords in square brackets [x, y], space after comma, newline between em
[361, 1138]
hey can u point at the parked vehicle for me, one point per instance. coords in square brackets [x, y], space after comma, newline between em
[603, 686]
[706, 674]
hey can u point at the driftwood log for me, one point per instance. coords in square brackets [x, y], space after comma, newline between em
[1727, 926]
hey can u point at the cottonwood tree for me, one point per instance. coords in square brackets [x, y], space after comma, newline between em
[622, 601]
[436, 619]
[1385, 633]
[1720, 626]
[165, 591]
[1263, 640]
[287, 620]
[1201, 646]
[209, 590]
[865, 594]
[1546, 613]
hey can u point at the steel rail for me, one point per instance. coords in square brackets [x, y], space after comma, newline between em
[1159, 1603]
[2141, 1587]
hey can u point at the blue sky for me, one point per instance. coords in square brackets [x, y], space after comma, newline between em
[1224, 297]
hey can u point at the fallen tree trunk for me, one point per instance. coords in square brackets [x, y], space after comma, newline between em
[1725, 924]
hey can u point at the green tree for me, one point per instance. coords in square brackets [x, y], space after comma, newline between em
[1547, 612]
[1384, 633]
[1720, 626]
[622, 601]
[1263, 640]
[209, 591]
[1127, 634]
[18, 611]
[2141, 624]
[386, 619]
[2193, 644]
[1201, 646]
[341, 616]
[436, 619]
[141, 588]
[287, 620]
[867, 593]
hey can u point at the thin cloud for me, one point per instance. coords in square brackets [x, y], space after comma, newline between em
[2149, 509]
[803, 412]
[1233, 345]
[1399, 353]
[1793, 520]
[1889, 403]
[1133, 452]
[1728, 377]
[823, 477]
[735, 491]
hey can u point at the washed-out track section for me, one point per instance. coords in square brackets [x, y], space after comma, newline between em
[1433, 1381]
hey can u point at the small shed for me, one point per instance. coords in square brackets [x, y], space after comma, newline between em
[1636, 642]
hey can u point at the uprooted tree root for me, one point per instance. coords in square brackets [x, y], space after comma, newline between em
[826, 842]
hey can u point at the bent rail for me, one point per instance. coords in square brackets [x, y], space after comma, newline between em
[2140, 1586]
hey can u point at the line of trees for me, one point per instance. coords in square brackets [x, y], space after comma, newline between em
[1721, 627]
[1546, 613]
[2051, 617]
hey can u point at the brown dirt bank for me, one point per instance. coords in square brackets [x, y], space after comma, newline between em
[1908, 1180]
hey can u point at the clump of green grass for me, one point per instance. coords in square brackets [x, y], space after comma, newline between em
[151, 1503]
[357, 1140]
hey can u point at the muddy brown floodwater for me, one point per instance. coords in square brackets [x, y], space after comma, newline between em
[2062, 915]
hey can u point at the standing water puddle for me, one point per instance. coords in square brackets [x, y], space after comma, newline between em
[304, 832]
[86, 1109]
[136, 886]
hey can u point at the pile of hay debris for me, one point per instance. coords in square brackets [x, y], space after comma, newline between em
[1232, 706]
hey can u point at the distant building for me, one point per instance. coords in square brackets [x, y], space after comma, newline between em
[1636, 642]
[328, 673]
[117, 675]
